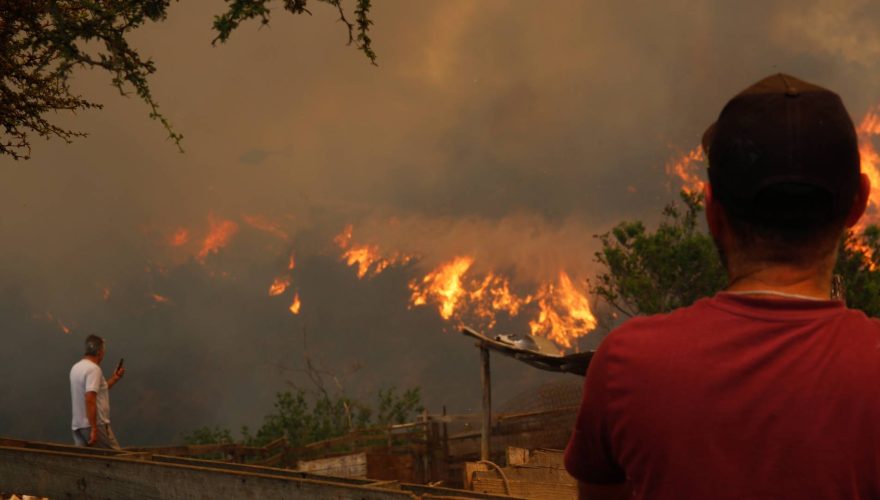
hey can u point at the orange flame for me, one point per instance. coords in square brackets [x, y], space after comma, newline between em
[565, 312]
[179, 238]
[867, 129]
[367, 257]
[562, 311]
[686, 168]
[857, 245]
[105, 294]
[160, 299]
[443, 285]
[291, 264]
[279, 286]
[492, 295]
[219, 235]
[364, 256]
[296, 305]
[870, 163]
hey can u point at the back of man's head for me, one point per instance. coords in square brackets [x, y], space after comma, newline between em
[784, 165]
[94, 345]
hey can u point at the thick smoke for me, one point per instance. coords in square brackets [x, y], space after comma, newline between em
[512, 133]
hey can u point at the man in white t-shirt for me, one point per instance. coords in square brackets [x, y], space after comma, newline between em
[90, 398]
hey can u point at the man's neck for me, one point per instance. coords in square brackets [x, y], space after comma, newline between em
[809, 282]
[93, 359]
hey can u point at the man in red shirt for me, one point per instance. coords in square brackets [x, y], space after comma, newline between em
[769, 389]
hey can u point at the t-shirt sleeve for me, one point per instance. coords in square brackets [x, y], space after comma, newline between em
[588, 456]
[93, 379]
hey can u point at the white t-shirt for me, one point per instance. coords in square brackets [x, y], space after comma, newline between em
[86, 376]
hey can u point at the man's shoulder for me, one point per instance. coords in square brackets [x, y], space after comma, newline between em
[84, 366]
[653, 324]
[643, 339]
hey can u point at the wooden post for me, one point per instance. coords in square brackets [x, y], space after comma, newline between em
[487, 402]
[426, 462]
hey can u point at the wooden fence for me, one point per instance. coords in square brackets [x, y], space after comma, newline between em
[435, 448]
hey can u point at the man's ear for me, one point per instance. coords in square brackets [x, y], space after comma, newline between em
[713, 215]
[860, 203]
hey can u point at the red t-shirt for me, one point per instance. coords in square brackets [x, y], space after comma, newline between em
[735, 397]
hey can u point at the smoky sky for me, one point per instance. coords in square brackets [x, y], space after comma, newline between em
[510, 131]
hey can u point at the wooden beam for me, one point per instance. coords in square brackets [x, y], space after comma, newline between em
[486, 380]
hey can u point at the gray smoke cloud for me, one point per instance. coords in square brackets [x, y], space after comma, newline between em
[508, 131]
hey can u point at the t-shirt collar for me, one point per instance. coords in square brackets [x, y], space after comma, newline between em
[773, 307]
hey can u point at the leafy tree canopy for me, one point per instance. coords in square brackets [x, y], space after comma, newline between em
[650, 272]
[653, 272]
[43, 41]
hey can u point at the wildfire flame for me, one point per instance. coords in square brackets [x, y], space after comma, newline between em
[870, 162]
[64, 328]
[179, 238]
[296, 305]
[282, 283]
[443, 285]
[219, 235]
[560, 310]
[279, 286]
[494, 295]
[564, 312]
[366, 257]
[686, 168]
[160, 299]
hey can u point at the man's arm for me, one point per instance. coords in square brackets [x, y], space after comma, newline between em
[92, 415]
[587, 491]
[118, 374]
[115, 378]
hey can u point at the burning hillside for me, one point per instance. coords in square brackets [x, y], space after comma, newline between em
[557, 309]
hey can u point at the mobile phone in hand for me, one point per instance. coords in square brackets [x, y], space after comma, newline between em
[119, 365]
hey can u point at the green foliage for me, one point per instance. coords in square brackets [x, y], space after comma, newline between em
[304, 419]
[244, 10]
[655, 272]
[43, 41]
[394, 409]
[208, 435]
[861, 278]
[304, 423]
